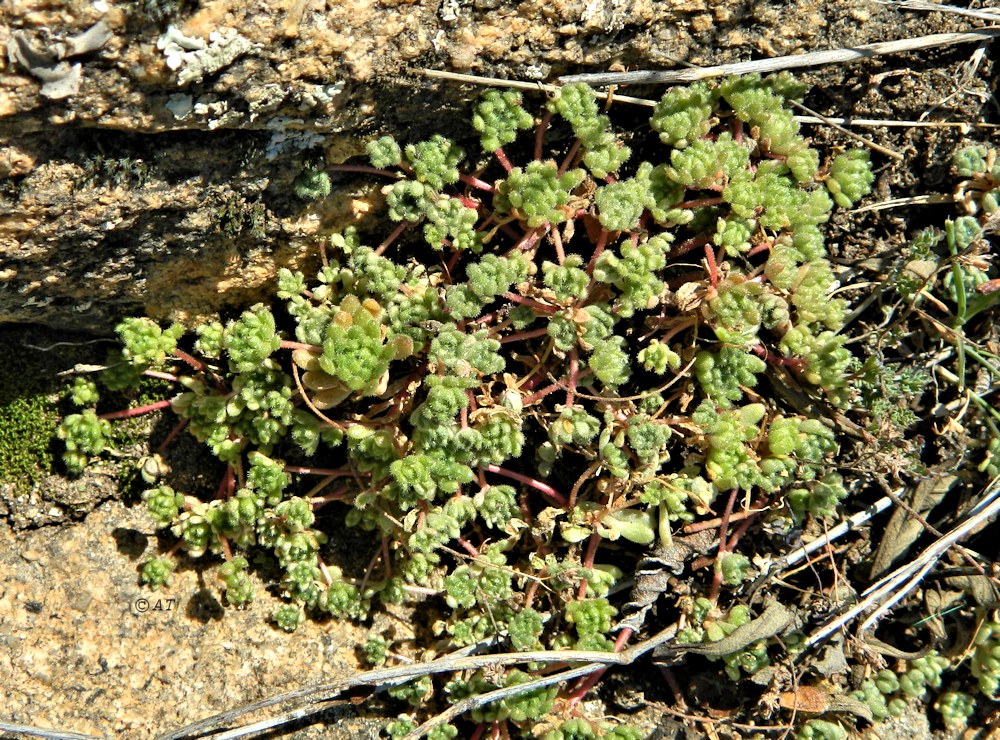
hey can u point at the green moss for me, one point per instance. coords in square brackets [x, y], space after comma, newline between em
[26, 428]
[27, 417]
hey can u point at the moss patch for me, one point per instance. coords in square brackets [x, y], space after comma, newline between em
[27, 417]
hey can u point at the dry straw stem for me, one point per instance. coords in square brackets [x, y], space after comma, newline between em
[312, 698]
[888, 591]
[520, 85]
[646, 102]
[811, 59]
[31, 731]
[986, 14]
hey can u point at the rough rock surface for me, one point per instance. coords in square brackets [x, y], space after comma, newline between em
[157, 176]
[85, 649]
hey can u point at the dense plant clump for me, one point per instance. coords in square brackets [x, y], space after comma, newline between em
[570, 364]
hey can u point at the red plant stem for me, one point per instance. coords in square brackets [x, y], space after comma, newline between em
[742, 529]
[691, 244]
[524, 335]
[713, 594]
[339, 495]
[226, 484]
[468, 202]
[574, 374]
[698, 203]
[160, 375]
[137, 411]
[192, 361]
[589, 682]
[762, 247]
[289, 344]
[539, 395]
[570, 156]
[676, 329]
[557, 242]
[478, 184]
[713, 523]
[713, 270]
[531, 302]
[761, 351]
[329, 472]
[468, 547]
[545, 488]
[363, 168]
[225, 547]
[502, 159]
[540, 130]
[392, 237]
[478, 732]
[588, 562]
[452, 262]
[386, 557]
[602, 242]
[530, 239]
[172, 436]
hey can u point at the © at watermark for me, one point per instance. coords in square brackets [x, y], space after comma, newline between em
[142, 606]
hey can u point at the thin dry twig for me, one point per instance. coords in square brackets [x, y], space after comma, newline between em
[832, 535]
[888, 591]
[867, 142]
[884, 122]
[321, 695]
[986, 14]
[31, 731]
[521, 85]
[474, 702]
[794, 61]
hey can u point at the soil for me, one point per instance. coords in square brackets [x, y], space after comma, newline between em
[87, 649]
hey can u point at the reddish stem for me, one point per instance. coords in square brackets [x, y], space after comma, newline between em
[502, 159]
[588, 562]
[339, 495]
[713, 270]
[574, 374]
[288, 344]
[329, 472]
[602, 242]
[545, 488]
[478, 184]
[161, 375]
[723, 547]
[557, 242]
[530, 239]
[363, 168]
[762, 247]
[761, 351]
[538, 395]
[468, 547]
[698, 203]
[540, 130]
[192, 361]
[691, 244]
[530, 302]
[172, 436]
[523, 335]
[570, 156]
[392, 237]
[137, 411]
[586, 684]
